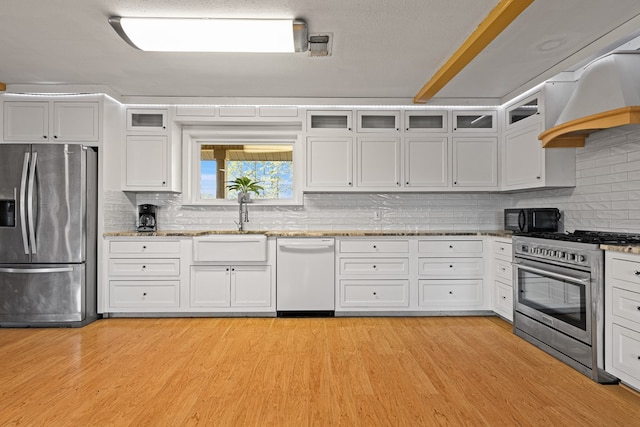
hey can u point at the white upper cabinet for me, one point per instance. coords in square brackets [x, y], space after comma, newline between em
[525, 164]
[378, 121]
[152, 152]
[426, 162]
[378, 162]
[473, 121]
[475, 163]
[329, 163]
[32, 121]
[426, 121]
[329, 121]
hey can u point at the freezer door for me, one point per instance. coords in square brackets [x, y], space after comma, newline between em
[59, 209]
[14, 165]
[41, 294]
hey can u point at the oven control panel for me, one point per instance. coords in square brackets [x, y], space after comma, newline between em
[551, 252]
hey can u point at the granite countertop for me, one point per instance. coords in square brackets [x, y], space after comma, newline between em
[630, 249]
[308, 233]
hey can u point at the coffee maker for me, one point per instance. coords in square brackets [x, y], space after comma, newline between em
[147, 218]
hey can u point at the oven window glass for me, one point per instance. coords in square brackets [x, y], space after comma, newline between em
[556, 298]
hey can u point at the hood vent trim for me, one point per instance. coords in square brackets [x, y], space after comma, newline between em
[574, 133]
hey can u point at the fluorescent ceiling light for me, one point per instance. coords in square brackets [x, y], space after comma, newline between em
[212, 35]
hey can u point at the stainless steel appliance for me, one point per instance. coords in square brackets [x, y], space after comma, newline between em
[48, 208]
[147, 218]
[528, 220]
[305, 277]
[558, 295]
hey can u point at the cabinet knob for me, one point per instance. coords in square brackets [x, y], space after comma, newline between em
[638, 308]
[144, 266]
[374, 246]
[450, 246]
[636, 272]
[349, 184]
[374, 266]
[455, 182]
[44, 136]
[504, 297]
[450, 292]
[348, 128]
[164, 127]
[375, 293]
[144, 294]
[537, 177]
[227, 268]
[55, 136]
[407, 182]
[164, 182]
[144, 247]
[450, 266]
[407, 128]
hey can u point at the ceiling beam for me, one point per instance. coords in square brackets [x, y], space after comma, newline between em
[498, 19]
[3, 87]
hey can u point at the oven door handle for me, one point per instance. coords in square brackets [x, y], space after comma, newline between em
[553, 275]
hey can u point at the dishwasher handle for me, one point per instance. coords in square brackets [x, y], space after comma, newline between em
[306, 243]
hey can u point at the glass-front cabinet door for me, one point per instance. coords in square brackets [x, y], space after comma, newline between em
[475, 121]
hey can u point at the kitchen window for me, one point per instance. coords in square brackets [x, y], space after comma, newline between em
[212, 159]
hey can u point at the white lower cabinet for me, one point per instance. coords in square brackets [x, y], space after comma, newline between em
[622, 317]
[230, 286]
[163, 275]
[143, 275]
[411, 274]
[502, 278]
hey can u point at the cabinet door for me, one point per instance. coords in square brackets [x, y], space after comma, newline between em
[147, 120]
[329, 121]
[251, 286]
[329, 162]
[378, 121]
[475, 162]
[523, 157]
[475, 121]
[210, 286]
[379, 162]
[76, 121]
[426, 162]
[146, 162]
[426, 121]
[26, 121]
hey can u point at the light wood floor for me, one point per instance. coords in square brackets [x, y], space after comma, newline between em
[296, 372]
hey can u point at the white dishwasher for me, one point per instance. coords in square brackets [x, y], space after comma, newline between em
[305, 279]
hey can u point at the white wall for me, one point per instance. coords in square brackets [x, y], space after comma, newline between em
[607, 192]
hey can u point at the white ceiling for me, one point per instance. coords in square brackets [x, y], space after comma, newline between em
[381, 48]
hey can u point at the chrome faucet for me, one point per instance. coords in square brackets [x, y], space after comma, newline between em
[243, 211]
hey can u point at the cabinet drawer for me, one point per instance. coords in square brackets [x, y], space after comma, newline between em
[374, 246]
[144, 293]
[377, 266]
[503, 250]
[144, 247]
[504, 271]
[444, 248]
[230, 248]
[626, 351]
[625, 304]
[447, 293]
[144, 267]
[454, 267]
[374, 293]
[629, 271]
[503, 299]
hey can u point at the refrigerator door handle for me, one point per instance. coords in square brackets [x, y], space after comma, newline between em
[32, 221]
[23, 196]
[36, 270]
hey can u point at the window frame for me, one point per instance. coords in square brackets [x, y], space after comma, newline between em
[194, 137]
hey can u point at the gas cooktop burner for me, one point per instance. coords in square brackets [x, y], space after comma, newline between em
[593, 237]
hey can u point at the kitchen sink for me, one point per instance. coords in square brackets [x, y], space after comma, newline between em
[230, 248]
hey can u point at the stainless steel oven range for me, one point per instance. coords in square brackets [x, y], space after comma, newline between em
[558, 296]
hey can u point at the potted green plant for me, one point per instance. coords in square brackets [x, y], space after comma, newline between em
[244, 186]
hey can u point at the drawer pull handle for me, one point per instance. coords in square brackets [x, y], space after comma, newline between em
[636, 272]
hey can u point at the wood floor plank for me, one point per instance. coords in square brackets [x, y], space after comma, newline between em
[292, 372]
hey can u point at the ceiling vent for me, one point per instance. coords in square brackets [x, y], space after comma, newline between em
[319, 45]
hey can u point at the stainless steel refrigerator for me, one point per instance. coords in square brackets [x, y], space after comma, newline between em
[48, 232]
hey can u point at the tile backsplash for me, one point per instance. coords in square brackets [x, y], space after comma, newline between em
[606, 197]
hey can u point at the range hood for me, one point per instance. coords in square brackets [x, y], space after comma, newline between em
[607, 95]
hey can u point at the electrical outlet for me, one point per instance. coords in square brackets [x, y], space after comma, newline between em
[377, 215]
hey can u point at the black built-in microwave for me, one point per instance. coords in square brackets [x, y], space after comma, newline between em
[528, 220]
